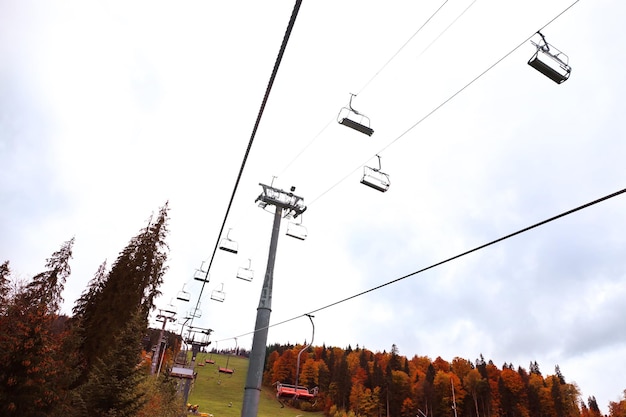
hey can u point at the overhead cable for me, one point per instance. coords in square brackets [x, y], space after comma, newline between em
[279, 58]
[439, 106]
[452, 258]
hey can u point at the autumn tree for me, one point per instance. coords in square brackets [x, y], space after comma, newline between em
[34, 372]
[618, 408]
[513, 394]
[473, 382]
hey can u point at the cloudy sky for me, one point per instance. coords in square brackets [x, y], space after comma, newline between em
[110, 109]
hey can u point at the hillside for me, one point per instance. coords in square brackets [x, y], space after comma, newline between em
[222, 395]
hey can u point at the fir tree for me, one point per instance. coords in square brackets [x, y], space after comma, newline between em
[132, 283]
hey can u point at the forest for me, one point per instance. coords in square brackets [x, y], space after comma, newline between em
[359, 382]
[97, 362]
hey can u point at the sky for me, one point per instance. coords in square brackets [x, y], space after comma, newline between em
[110, 109]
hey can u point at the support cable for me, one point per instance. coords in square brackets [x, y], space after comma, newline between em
[279, 58]
[446, 101]
[452, 258]
[374, 76]
[402, 47]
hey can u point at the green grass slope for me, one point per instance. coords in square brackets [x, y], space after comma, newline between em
[222, 394]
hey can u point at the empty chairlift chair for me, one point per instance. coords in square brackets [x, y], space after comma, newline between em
[296, 230]
[375, 178]
[228, 245]
[218, 295]
[183, 295]
[348, 116]
[549, 61]
[196, 312]
[225, 369]
[201, 274]
[244, 273]
[170, 309]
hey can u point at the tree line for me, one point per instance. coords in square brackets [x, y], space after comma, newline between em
[95, 362]
[361, 383]
[92, 363]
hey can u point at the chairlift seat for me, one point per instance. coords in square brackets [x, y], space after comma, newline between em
[226, 370]
[228, 245]
[217, 295]
[245, 274]
[200, 275]
[285, 390]
[297, 231]
[303, 392]
[183, 296]
[375, 179]
[357, 126]
[551, 62]
[210, 361]
[348, 116]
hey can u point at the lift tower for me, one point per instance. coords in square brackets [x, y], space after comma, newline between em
[288, 205]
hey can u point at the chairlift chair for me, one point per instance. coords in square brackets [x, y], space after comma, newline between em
[244, 273]
[195, 313]
[375, 178]
[201, 275]
[218, 295]
[228, 244]
[225, 369]
[549, 61]
[170, 309]
[210, 360]
[348, 116]
[296, 230]
[183, 295]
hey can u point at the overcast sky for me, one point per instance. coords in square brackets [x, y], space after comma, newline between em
[110, 109]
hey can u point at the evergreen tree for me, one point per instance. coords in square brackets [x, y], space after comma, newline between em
[594, 410]
[114, 385]
[111, 302]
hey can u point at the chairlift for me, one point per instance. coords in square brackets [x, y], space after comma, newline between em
[201, 275]
[227, 244]
[244, 273]
[170, 309]
[226, 369]
[218, 295]
[195, 313]
[348, 116]
[296, 230]
[549, 61]
[183, 295]
[375, 178]
[210, 360]
[297, 391]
